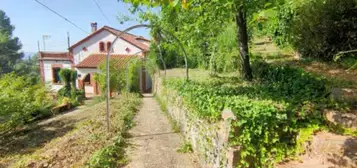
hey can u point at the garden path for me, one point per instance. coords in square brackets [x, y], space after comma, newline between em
[153, 144]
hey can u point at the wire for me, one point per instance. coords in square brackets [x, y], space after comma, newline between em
[61, 16]
[101, 11]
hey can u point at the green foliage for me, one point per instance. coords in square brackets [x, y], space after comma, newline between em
[116, 78]
[225, 56]
[109, 156]
[170, 55]
[69, 89]
[185, 148]
[122, 70]
[270, 111]
[123, 112]
[134, 67]
[9, 46]
[21, 102]
[163, 106]
[309, 26]
[315, 28]
[30, 68]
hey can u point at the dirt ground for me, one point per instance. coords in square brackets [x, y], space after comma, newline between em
[327, 150]
[153, 144]
[40, 136]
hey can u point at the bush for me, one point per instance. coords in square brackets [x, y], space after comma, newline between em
[270, 111]
[319, 28]
[118, 75]
[109, 156]
[21, 102]
[69, 89]
[122, 113]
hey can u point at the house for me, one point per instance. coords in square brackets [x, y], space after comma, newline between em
[86, 55]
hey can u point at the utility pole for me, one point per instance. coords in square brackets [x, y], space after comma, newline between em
[68, 40]
[45, 37]
[38, 45]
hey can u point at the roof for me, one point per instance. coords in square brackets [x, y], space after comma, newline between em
[54, 56]
[130, 38]
[94, 60]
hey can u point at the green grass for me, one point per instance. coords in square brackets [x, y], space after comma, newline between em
[185, 148]
[163, 106]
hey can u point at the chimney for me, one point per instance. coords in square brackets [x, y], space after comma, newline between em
[94, 26]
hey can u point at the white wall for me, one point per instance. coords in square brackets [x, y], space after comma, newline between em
[48, 76]
[92, 46]
[84, 71]
[145, 42]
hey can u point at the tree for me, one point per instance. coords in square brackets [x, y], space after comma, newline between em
[29, 68]
[200, 21]
[241, 21]
[9, 45]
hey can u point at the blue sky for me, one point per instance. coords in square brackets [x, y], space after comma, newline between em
[33, 20]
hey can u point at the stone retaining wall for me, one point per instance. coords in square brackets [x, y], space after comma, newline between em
[209, 140]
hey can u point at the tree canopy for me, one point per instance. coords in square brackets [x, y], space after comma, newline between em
[9, 46]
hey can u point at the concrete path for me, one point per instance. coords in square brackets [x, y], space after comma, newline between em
[153, 143]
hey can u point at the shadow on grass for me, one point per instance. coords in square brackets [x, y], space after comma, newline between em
[26, 140]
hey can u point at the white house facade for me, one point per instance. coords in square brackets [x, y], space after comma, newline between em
[86, 55]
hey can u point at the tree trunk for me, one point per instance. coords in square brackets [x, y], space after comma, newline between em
[243, 43]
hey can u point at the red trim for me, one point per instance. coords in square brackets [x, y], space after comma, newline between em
[101, 46]
[53, 66]
[42, 72]
[110, 30]
[57, 65]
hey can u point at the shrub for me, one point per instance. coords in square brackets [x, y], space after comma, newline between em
[122, 113]
[118, 74]
[318, 28]
[270, 112]
[21, 102]
[69, 89]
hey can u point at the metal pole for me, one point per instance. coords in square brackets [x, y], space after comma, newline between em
[107, 66]
[38, 45]
[44, 43]
[162, 60]
[127, 71]
[111, 48]
[182, 48]
[68, 40]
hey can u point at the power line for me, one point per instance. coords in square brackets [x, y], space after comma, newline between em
[101, 11]
[61, 16]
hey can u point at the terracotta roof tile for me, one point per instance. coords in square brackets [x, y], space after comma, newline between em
[133, 39]
[94, 60]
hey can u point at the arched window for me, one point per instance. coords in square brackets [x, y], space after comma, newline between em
[109, 44]
[101, 47]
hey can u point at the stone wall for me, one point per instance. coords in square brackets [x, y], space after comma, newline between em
[209, 140]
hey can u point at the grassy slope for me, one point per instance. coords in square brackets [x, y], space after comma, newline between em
[84, 138]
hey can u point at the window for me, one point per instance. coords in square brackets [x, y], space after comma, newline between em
[127, 50]
[56, 79]
[109, 44]
[101, 47]
[87, 80]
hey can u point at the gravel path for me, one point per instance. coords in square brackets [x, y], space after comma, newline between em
[153, 143]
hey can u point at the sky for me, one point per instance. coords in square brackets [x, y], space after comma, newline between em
[32, 21]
